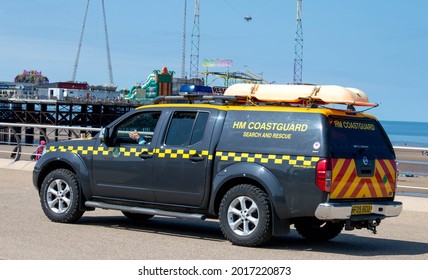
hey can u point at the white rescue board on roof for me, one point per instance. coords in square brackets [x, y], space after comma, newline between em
[298, 93]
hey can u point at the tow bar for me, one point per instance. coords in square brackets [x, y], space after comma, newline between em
[369, 225]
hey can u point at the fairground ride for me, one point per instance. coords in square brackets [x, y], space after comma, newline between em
[231, 78]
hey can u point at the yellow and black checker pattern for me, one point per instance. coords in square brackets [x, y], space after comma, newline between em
[181, 153]
[105, 151]
[131, 152]
[296, 161]
[300, 161]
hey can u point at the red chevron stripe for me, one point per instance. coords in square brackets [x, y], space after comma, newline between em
[391, 177]
[348, 185]
[362, 187]
[342, 171]
[379, 180]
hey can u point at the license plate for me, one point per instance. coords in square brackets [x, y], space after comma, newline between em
[361, 209]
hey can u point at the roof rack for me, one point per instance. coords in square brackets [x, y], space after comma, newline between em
[190, 98]
[314, 96]
[300, 94]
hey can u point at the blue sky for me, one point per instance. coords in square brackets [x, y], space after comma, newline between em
[377, 46]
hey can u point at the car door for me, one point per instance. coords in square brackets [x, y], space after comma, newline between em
[123, 170]
[184, 158]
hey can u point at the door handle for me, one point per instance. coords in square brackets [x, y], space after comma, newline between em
[145, 155]
[196, 158]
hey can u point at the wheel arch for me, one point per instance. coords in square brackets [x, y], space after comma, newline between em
[49, 167]
[223, 189]
[72, 162]
[247, 173]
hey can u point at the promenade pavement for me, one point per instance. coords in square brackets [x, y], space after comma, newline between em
[24, 165]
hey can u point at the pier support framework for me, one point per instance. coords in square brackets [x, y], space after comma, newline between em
[61, 113]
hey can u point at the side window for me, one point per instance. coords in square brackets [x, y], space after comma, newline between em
[199, 127]
[141, 125]
[186, 128]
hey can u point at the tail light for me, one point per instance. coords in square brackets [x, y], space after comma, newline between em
[323, 175]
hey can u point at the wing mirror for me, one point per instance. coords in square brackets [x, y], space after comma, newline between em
[104, 135]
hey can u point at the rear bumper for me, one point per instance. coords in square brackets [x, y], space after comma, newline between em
[342, 211]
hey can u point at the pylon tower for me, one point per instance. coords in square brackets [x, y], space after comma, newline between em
[194, 51]
[298, 46]
[183, 51]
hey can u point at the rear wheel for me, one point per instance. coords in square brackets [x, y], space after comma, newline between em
[137, 217]
[317, 230]
[245, 216]
[60, 195]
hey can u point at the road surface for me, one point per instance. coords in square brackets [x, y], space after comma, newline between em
[26, 234]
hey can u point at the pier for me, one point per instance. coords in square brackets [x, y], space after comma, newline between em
[82, 113]
[63, 112]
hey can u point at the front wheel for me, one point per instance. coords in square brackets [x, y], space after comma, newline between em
[245, 216]
[316, 230]
[60, 195]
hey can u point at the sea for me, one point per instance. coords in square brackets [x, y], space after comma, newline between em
[410, 134]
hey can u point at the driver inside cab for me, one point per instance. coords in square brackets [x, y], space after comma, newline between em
[137, 137]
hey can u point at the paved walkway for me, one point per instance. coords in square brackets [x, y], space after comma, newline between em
[24, 165]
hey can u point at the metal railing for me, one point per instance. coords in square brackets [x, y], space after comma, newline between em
[17, 139]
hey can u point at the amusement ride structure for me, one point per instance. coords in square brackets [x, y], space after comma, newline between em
[229, 77]
[248, 76]
[79, 45]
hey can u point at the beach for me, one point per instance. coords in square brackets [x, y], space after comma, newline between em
[412, 167]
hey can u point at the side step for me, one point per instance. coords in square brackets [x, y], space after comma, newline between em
[147, 211]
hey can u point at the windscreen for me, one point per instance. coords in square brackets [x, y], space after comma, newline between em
[351, 137]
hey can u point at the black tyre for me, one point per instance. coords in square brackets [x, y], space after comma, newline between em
[137, 217]
[318, 231]
[245, 216]
[60, 195]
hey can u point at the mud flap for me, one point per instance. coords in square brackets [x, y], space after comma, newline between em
[280, 227]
